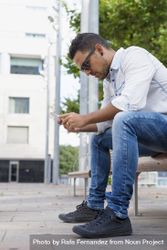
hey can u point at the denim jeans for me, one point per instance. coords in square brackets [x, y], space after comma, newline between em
[133, 134]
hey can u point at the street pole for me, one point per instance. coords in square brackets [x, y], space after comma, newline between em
[83, 150]
[47, 69]
[93, 82]
[89, 85]
[57, 96]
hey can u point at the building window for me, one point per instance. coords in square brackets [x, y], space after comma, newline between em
[35, 35]
[162, 181]
[162, 174]
[17, 135]
[27, 66]
[19, 105]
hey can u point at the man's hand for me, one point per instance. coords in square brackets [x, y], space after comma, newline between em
[70, 129]
[73, 121]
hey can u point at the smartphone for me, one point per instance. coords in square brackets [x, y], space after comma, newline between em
[56, 117]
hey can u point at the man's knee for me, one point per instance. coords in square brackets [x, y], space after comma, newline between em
[122, 117]
[103, 140]
[127, 120]
[95, 139]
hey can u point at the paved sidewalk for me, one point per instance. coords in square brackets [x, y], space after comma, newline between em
[27, 209]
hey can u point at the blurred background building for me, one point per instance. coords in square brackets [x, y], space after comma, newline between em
[24, 28]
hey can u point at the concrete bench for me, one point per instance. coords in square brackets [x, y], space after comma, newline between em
[83, 175]
[145, 164]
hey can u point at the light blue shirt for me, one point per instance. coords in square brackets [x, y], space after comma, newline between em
[137, 81]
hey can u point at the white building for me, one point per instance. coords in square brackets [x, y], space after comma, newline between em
[24, 28]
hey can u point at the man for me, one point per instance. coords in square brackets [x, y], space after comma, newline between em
[132, 121]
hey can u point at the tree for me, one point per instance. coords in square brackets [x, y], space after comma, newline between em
[129, 22]
[138, 22]
[68, 159]
[71, 105]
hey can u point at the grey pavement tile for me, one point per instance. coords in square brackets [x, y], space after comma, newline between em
[21, 225]
[2, 235]
[4, 208]
[27, 216]
[15, 241]
[149, 226]
[6, 217]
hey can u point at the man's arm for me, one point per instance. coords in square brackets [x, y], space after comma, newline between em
[76, 121]
[105, 114]
[88, 128]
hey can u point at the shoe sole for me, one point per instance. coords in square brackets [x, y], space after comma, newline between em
[84, 234]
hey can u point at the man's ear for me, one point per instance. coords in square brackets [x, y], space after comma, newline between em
[99, 48]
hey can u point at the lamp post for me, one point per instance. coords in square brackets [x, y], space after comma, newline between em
[89, 85]
[46, 75]
[83, 149]
[93, 82]
[57, 95]
[55, 19]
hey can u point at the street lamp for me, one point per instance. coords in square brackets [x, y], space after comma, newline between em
[55, 20]
[47, 166]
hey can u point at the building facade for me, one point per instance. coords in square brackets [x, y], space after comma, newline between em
[23, 89]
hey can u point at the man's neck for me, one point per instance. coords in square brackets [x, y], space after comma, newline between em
[111, 56]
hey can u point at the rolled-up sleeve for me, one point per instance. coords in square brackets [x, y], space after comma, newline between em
[102, 126]
[108, 95]
[138, 70]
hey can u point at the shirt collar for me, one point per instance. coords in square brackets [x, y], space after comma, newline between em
[115, 64]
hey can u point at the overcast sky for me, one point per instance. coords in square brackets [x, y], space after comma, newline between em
[69, 85]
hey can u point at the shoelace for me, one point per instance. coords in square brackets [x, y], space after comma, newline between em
[83, 204]
[79, 207]
[101, 217]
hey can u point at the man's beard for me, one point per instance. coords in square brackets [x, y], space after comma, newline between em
[106, 72]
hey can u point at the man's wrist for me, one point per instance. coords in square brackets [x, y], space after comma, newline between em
[87, 119]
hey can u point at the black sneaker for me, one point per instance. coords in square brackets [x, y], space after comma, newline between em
[105, 225]
[82, 214]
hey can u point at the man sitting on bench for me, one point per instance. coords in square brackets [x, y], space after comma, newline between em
[132, 122]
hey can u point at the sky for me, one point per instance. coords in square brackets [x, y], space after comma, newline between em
[69, 85]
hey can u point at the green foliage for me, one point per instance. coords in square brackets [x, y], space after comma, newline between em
[71, 105]
[68, 159]
[74, 18]
[71, 67]
[100, 86]
[109, 180]
[135, 22]
[161, 43]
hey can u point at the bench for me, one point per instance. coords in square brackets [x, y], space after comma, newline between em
[145, 164]
[83, 175]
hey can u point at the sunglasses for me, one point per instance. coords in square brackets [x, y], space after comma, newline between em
[86, 63]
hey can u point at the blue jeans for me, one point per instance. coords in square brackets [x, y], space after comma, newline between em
[133, 134]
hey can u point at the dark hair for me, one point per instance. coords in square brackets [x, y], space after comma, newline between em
[86, 41]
